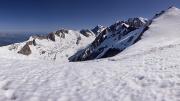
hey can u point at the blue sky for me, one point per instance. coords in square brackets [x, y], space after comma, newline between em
[49, 15]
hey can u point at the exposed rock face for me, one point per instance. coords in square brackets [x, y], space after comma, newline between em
[78, 40]
[31, 42]
[98, 29]
[61, 33]
[86, 32]
[113, 40]
[136, 22]
[34, 42]
[51, 36]
[25, 50]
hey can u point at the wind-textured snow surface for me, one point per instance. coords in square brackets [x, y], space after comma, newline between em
[147, 71]
[150, 76]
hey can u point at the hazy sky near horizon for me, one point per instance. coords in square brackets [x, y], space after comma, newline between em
[49, 15]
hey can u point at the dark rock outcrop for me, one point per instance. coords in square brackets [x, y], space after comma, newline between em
[78, 40]
[51, 36]
[31, 42]
[136, 22]
[25, 50]
[86, 32]
[98, 29]
[62, 33]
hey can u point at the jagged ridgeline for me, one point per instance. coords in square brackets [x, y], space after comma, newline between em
[58, 45]
[114, 39]
[86, 44]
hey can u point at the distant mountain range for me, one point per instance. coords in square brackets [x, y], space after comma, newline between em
[86, 44]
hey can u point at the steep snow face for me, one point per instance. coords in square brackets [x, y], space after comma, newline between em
[163, 31]
[113, 40]
[58, 46]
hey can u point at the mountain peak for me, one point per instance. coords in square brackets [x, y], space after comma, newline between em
[100, 26]
[173, 8]
[98, 29]
[171, 11]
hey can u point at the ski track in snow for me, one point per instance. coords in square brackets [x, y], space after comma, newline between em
[154, 77]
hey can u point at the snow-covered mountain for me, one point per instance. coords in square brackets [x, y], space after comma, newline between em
[148, 70]
[163, 32]
[58, 45]
[114, 39]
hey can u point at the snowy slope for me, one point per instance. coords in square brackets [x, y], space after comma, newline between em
[138, 78]
[146, 71]
[163, 32]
